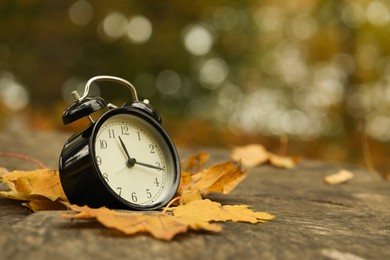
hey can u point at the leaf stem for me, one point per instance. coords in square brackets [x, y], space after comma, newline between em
[23, 157]
[169, 204]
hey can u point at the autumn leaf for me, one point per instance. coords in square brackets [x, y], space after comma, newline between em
[196, 162]
[3, 171]
[195, 215]
[190, 195]
[207, 210]
[42, 203]
[159, 225]
[223, 178]
[41, 188]
[42, 182]
[281, 161]
[341, 176]
[250, 155]
[255, 154]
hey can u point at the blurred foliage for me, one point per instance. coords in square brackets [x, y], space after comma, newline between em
[234, 71]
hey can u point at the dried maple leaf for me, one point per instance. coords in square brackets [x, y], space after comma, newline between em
[250, 155]
[42, 188]
[3, 171]
[42, 182]
[42, 203]
[159, 225]
[196, 162]
[255, 154]
[222, 178]
[190, 195]
[195, 215]
[207, 210]
[341, 176]
[281, 161]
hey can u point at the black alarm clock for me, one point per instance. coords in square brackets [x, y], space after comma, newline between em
[123, 160]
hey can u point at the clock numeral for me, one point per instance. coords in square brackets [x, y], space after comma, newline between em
[124, 130]
[139, 136]
[103, 144]
[156, 182]
[119, 189]
[134, 197]
[111, 133]
[152, 147]
[98, 160]
[148, 194]
[158, 164]
[105, 176]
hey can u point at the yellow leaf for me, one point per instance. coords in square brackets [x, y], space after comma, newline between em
[195, 215]
[39, 204]
[196, 162]
[190, 195]
[250, 155]
[159, 225]
[39, 182]
[40, 188]
[340, 177]
[15, 195]
[218, 178]
[84, 212]
[207, 210]
[255, 154]
[3, 171]
[281, 161]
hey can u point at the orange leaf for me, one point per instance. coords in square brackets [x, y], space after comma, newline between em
[250, 155]
[41, 188]
[207, 210]
[3, 171]
[217, 178]
[190, 195]
[159, 225]
[196, 162]
[195, 215]
[255, 154]
[42, 203]
[39, 182]
[281, 161]
[341, 176]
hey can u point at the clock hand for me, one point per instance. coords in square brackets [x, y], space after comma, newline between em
[130, 161]
[148, 165]
[120, 169]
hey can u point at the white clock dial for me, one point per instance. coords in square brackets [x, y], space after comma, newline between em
[134, 159]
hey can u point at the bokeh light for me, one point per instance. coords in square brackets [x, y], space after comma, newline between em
[198, 40]
[13, 95]
[309, 70]
[139, 29]
[81, 12]
[114, 25]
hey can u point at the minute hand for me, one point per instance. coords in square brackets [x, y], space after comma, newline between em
[148, 165]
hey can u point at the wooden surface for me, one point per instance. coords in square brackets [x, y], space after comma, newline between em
[314, 220]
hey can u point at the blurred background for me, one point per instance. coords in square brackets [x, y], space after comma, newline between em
[304, 77]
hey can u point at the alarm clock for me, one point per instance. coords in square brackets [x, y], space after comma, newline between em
[125, 159]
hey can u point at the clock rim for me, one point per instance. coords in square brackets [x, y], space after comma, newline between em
[174, 185]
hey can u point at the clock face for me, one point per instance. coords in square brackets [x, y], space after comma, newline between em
[135, 160]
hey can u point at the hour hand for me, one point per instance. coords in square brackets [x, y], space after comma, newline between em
[130, 161]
